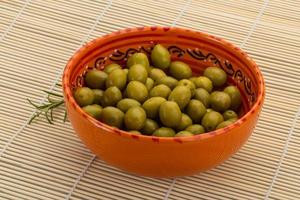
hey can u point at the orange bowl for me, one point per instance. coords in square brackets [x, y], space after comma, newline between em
[157, 156]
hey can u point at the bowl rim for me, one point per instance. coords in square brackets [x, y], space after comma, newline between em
[112, 130]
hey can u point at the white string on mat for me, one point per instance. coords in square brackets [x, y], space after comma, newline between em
[284, 152]
[182, 11]
[252, 29]
[55, 80]
[15, 20]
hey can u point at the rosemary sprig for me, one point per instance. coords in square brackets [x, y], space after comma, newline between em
[54, 101]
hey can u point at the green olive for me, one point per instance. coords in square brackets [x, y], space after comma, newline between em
[195, 129]
[193, 79]
[219, 101]
[138, 58]
[235, 96]
[184, 122]
[111, 67]
[184, 134]
[168, 81]
[152, 105]
[225, 123]
[170, 114]
[149, 127]
[209, 110]
[160, 91]
[126, 71]
[127, 103]
[160, 57]
[135, 118]
[112, 116]
[181, 95]
[137, 90]
[135, 132]
[196, 110]
[164, 132]
[149, 84]
[111, 96]
[137, 72]
[93, 110]
[202, 95]
[180, 70]
[189, 84]
[229, 114]
[156, 74]
[217, 75]
[204, 82]
[84, 96]
[95, 79]
[117, 78]
[211, 120]
[98, 94]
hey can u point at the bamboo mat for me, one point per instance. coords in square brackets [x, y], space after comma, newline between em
[43, 161]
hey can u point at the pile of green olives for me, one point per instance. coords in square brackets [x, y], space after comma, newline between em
[159, 97]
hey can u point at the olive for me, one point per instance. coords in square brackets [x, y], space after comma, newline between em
[112, 116]
[84, 96]
[160, 57]
[127, 103]
[204, 82]
[184, 134]
[93, 110]
[164, 132]
[219, 101]
[117, 78]
[95, 79]
[156, 74]
[111, 96]
[149, 84]
[111, 67]
[135, 132]
[135, 118]
[137, 72]
[225, 123]
[217, 75]
[168, 81]
[170, 114]
[195, 129]
[184, 122]
[138, 58]
[149, 127]
[189, 84]
[196, 110]
[180, 70]
[235, 96]
[160, 91]
[202, 95]
[137, 90]
[229, 114]
[181, 95]
[152, 105]
[98, 94]
[211, 120]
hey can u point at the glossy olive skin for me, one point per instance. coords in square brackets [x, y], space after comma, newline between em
[160, 57]
[181, 95]
[235, 96]
[211, 120]
[156, 74]
[184, 134]
[216, 75]
[180, 70]
[160, 91]
[111, 67]
[98, 94]
[209, 110]
[135, 132]
[135, 118]
[127, 103]
[117, 78]
[189, 84]
[138, 58]
[195, 129]
[137, 90]
[149, 84]
[112, 116]
[168, 81]
[93, 110]
[111, 96]
[225, 123]
[170, 114]
[229, 114]
[219, 101]
[95, 79]
[164, 132]
[137, 72]
[196, 110]
[149, 127]
[152, 105]
[184, 122]
[204, 82]
[84, 96]
[202, 95]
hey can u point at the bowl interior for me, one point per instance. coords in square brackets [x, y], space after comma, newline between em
[197, 49]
